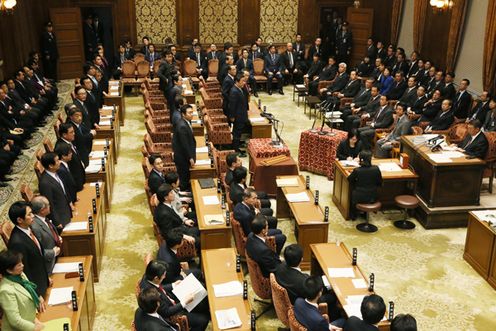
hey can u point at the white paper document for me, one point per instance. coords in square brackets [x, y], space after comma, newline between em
[349, 163]
[355, 299]
[76, 226]
[326, 283]
[257, 119]
[114, 93]
[104, 122]
[453, 154]
[97, 154]
[202, 162]
[228, 289]
[60, 295]
[203, 149]
[188, 92]
[282, 182]
[94, 184]
[341, 272]
[62, 268]
[211, 200]
[353, 310]
[300, 86]
[107, 107]
[440, 158]
[101, 142]
[214, 219]
[389, 166]
[93, 168]
[298, 197]
[359, 283]
[228, 319]
[196, 121]
[190, 285]
[486, 215]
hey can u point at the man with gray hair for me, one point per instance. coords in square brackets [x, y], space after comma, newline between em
[342, 78]
[45, 231]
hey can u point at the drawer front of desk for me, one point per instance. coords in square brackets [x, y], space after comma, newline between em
[310, 234]
[457, 186]
[84, 245]
[197, 173]
[215, 238]
[261, 131]
[479, 246]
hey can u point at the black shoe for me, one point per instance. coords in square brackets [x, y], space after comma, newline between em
[241, 153]
[281, 92]
[270, 92]
[255, 94]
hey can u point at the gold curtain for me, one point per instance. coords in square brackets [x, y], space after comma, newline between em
[455, 32]
[420, 8]
[396, 20]
[489, 57]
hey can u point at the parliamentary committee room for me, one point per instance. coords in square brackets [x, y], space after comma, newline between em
[296, 165]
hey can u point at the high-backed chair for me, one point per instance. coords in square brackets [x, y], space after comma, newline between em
[281, 301]
[239, 236]
[489, 170]
[139, 57]
[48, 145]
[26, 192]
[143, 71]
[128, 72]
[258, 71]
[38, 169]
[213, 69]
[294, 325]
[259, 283]
[5, 231]
[190, 71]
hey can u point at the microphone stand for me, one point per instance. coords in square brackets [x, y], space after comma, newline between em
[321, 107]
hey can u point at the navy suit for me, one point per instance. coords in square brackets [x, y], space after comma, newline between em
[476, 148]
[442, 121]
[238, 110]
[227, 85]
[355, 324]
[184, 147]
[60, 210]
[273, 69]
[174, 265]
[69, 183]
[155, 180]
[145, 322]
[309, 316]
[266, 258]
[167, 219]
[76, 166]
[462, 104]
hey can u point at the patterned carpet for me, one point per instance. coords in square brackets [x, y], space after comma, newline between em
[422, 271]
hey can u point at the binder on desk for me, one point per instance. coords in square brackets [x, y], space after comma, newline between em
[206, 183]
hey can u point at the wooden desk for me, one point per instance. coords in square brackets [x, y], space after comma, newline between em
[263, 177]
[310, 227]
[331, 255]
[106, 176]
[188, 92]
[85, 242]
[261, 129]
[444, 184]
[394, 183]
[108, 132]
[211, 236]
[196, 123]
[202, 171]
[116, 99]
[82, 319]
[480, 248]
[223, 271]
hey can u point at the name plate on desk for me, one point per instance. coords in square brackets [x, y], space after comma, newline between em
[76, 226]
[285, 182]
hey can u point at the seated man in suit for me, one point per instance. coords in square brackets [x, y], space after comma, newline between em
[273, 69]
[381, 119]
[351, 89]
[45, 231]
[246, 211]
[373, 310]
[258, 250]
[176, 270]
[340, 81]
[52, 187]
[22, 240]
[403, 322]
[410, 94]
[360, 99]
[353, 117]
[233, 161]
[64, 153]
[327, 74]
[385, 145]
[292, 69]
[475, 144]
[443, 119]
[182, 200]
[398, 88]
[306, 309]
[156, 177]
[155, 273]
[481, 108]
[238, 186]
[288, 275]
[490, 120]
[146, 317]
[167, 218]
[312, 76]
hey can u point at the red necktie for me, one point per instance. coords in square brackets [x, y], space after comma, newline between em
[33, 238]
[168, 297]
[53, 231]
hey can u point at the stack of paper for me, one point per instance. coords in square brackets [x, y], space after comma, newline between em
[326, 283]
[453, 154]
[60, 295]
[348, 163]
[389, 166]
[282, 182]
[202, 162]
[104, 122]
[62, 268]
[211, 200]
[228, 289]
[97, 154]
[188, 92]
[93, 168]
[440, 158]
[114, 93]
[190, 286]
[297, 197]
[228, 319]
[76, 226]
[196, 121]
[214, 219]
[107, 107]
[101, 142]
[300, 86]
[94, 184]
[341, 272]
[203, 149]
[257, 119]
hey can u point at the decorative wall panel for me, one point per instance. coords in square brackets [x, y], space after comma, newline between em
[278, 20]
[156, 19]
[218, 21]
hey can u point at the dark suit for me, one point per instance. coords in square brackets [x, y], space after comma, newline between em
[383, 118]
[60, 210]
[355, 324]
[442, 121]
[47, 239]
[83, 141]
[238, 109]
[372, 52]
[49, 54]
[364, 182]
[265, 257]
[69, 182]
[397, 90]
[184, 147]
[145, 322]
[430, 111]
[167, 219]
[164, 74]
[92, 104]
[314, 50]
[76, 166]
[273, 65]
[418, 104]
[400, 67]
[174, 265]
[201, 63]
[448, 91]
[344, 43]
[292, 280]
[84, 111]
[326, 74]
[479, 111]
[309, 316]
[409, 96]
[90, 40]
[155, 180]
[32, 258]
[290, 63]
[227, 85]
[462, 104]
[477, 148]
[339, 82]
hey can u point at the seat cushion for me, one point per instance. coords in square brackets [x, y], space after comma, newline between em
[369, 207]
[406, 201]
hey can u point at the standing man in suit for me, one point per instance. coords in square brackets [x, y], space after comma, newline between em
[227, 85]
[64, 153]
[475, 144]
[306, 308]
[23, 240]
[292, 70]
[49, 51]
[184, 146]
[463, 100]
[449, 91]
[83, 139]
[373, 309]
[384, 145]
[443, 119]
[164, 74]
[344, 43]
[299, 48]
[258, 250]
[246, 64]
[273, 69]
[371, 52]
[238, 112]
[52, 187]
[80, 102]
[381, 119]
[90, 37]
[316, 48]
[67, 135]
[146, 317]
[45, 231]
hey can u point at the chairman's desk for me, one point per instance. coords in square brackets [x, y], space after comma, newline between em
[116, 97]
[259, 128]
[480, 247]
[310, 226]
[84, 242]
[394, 183]
[205, 170]
[332, 255]
[215, 235]
[219, 266]
[82, 319]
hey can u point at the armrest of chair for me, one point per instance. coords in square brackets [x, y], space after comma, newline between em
[323, 84]
[323, 308]
[345, 101]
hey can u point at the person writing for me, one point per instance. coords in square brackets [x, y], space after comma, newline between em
[349, 148]
[18, 298]
[364, 181]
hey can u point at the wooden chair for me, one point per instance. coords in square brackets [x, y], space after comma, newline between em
[239, 236]
[489, 170]
[143, 70]
[259, 283]
[5, 231]
[139, 57]
[281, 301]
[26, 193]
[38, 169]
[56, 127]
[213, 69]
[48, 145]
[258, 72]
[190, 71]
[218, 133]
[39, 154]
[128, 75]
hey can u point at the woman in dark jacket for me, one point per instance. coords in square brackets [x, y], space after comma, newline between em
[349, 148]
